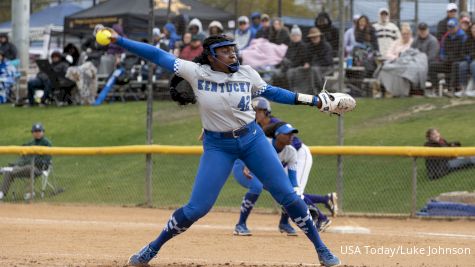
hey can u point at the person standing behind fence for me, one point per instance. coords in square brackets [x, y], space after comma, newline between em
[467, 67]
[22, 168]
[450, 56]
[386, 32]
[442, 25]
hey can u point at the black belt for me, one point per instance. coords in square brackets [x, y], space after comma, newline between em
[235, 133]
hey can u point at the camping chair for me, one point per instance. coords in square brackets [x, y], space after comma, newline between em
[61, 87]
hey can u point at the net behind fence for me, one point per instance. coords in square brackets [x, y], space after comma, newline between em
[371, 184]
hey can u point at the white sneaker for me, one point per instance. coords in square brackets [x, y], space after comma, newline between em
[336, 103]
[459, 94]
[1, 195]
[28, 196]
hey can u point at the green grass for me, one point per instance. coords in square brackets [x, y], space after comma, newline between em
[372, 184]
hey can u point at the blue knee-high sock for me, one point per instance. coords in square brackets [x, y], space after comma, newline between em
[246, 206]
[316, 198]
[176, 225]
[299, 213]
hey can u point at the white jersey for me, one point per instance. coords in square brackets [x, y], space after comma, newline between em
[224, 100]
[288, 157]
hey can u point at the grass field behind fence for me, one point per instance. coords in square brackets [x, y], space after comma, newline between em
[372, 184]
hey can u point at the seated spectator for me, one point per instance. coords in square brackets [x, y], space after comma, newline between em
[465, 24]
[349, 37]
[467, 66]
[9, 50]
[157, 40]
[438, 167]
[256, 21]
[319, 56]
[7, 78]
[170, 36]
[426, 42]
[296, 62]
[278, 33]
[192, 50]
[244, 34]
[41, 81]
[387, 32]
[442, 25]
[450, 56]
[400, 45]
[182, 44]
[215, 28]
[366, 50]
[72, 51]
[329, 32]
[195, 27]
[264, 30]
[22, 168]
[114, 49]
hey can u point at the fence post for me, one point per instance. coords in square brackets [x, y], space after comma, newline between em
[32, 179]
[414, 187]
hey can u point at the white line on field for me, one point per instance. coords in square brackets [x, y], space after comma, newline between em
[109, 224]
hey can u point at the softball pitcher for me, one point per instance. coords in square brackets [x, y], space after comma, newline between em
[223, 92]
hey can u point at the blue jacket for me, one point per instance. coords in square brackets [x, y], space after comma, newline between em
[451, 46]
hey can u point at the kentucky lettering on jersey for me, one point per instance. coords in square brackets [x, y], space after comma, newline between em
[228, 87]
[224, 99]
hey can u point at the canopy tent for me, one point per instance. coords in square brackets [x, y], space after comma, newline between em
[133, 15]
[49, 16]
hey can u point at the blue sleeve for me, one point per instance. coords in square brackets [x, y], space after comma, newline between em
[149, 52]
[293, 177]
[279, 95]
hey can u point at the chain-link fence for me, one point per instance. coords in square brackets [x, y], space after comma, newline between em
[371, 184]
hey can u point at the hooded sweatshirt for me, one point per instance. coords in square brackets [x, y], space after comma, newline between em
[329, 32]
[196, 22]
[8, 49]
[386, 32]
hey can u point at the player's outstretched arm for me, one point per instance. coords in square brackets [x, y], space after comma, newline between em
[146, 51]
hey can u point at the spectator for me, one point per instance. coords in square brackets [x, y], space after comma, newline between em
[468, 66]
[400, 45]
[426, 42]
[330, 33]
[244, 34]
[196, 28]
[22, 168]
[349, 37]
[296, 60]
[450, 56]
[465, 24]
[387, 32]
[170, 36]
[215, 28]
[319, 55]
[192, 50]
[365, 34]
[442, 25]
[264, 31]
[42, 82]
[438, 167]
[278, 33]
[72, 51]
[114, 49]
[9, 50]
[7, 78]
[256, 21]
[158, 40]
[180, 45]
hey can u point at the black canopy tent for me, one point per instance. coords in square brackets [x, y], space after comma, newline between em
[133, 16]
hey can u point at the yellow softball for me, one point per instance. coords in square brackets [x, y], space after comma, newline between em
[103, 37]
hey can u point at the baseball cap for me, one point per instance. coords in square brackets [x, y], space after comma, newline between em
[286, 129]
[452, 6]
[261, 103]
[243, 19]
[452, 23]
[422, 26]
[37, 127]
[265, 17]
